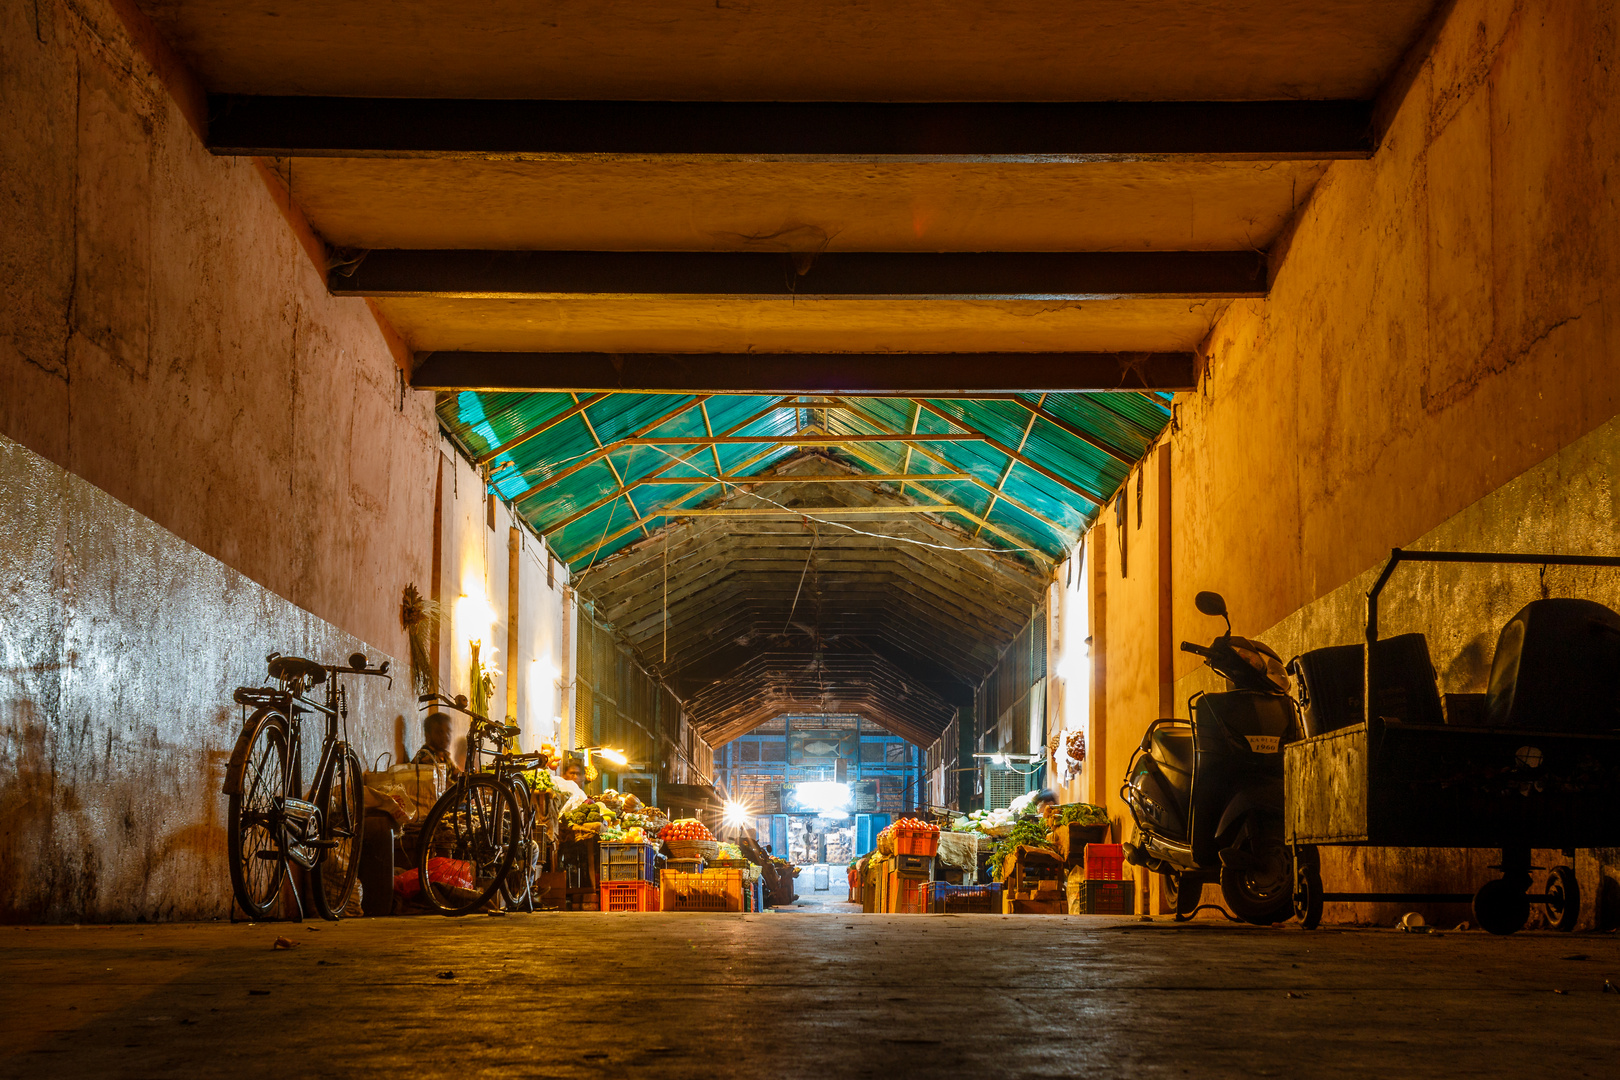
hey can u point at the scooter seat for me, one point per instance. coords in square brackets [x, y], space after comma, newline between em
[1173, 747]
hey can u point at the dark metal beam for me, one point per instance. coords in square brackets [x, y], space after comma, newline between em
[899, 374]
[1040, 131]
[964, 275]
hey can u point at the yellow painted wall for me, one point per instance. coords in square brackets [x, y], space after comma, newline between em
[1443, 322]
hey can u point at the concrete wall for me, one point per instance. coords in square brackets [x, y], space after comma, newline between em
[1435, 365]
[167, 337]
[212, 459]
[474, 597]
[120, 644]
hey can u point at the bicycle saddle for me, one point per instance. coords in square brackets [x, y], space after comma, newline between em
[296, 667]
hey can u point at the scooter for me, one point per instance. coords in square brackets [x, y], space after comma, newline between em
[1207, 796]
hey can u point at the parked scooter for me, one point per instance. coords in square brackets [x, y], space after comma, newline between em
[1207, 796]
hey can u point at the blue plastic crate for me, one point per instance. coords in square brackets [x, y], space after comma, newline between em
[628, 862]
[967, 899]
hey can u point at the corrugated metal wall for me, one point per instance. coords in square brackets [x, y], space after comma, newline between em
[618, 704]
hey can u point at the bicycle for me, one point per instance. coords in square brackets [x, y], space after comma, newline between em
[271, 824]
[483, 824]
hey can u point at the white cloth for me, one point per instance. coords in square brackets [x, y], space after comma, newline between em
[572, 790]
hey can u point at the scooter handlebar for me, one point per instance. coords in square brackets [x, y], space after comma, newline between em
[1197, 650]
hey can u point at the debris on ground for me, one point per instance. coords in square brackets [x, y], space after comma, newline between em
[446, 975]
[284, 943]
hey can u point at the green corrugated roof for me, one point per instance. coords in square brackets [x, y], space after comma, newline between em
[575, 493]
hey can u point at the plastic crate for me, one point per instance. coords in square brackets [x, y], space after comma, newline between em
[912, 842]
[920, 867]
[966, 899]
[909, 896]
[712, 890]
[629, 896]
[1110, 897]
[685, 866]
[627, 862]
[1105, 862]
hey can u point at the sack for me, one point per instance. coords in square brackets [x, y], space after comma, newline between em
[419, 787]
[385, 793]
[441, 871]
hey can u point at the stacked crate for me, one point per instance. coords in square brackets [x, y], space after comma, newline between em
[1107, 892]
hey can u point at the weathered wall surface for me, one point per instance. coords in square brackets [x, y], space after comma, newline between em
[219, 462]
[119, 647]
[1444, 318]
[1441, 334]
[166, 337]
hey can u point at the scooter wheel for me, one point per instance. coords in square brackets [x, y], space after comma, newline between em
[1501, 907]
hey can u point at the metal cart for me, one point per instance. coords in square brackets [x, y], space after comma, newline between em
[1385, 783]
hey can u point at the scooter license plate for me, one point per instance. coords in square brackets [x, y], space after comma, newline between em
[1264, 744]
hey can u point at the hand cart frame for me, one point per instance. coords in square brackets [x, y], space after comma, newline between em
[1385, 783]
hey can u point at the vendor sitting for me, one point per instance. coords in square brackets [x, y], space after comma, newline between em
[571, 782]
[436, 743]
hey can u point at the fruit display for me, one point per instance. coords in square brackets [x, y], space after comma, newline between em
[911, 824]
[687, 829]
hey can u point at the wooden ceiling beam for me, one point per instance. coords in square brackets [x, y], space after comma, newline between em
[954, 275]
[896, 374]
[350, 127]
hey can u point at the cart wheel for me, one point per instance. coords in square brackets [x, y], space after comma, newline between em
[1501, 906]
[1563, 898]
[1308, 889]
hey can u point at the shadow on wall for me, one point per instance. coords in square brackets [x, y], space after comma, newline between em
[120, 645]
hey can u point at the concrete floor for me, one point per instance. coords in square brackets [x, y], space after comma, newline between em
[588, 995]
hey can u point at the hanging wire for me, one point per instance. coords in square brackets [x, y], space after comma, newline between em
[840, 524]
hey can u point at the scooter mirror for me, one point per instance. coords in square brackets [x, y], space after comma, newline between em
[1210, 603]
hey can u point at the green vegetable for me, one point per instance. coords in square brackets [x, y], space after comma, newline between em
[1028, 831]
[1082, 814]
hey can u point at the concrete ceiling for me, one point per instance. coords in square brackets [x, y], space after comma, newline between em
[747, 50]
[898, 625]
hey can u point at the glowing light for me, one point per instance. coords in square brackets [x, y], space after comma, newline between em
[823, 796]
[737, 815]
[547, 671]
[998, 759]
[474, 616]
[615, 756]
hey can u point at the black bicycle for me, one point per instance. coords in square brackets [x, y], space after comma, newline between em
[478, 838]
[271, 822]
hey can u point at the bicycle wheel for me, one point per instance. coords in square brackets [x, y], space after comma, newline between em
[255, 836]
[468, 844]
[518, 882]
[341, 799]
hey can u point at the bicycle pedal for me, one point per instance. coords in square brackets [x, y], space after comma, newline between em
[325, 845]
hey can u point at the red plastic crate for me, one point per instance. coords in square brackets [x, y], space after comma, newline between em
[909, 896]
[1105, 862]
[916, 843]
[1110, 897]
[629, 896]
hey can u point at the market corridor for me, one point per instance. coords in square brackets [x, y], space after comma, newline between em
[597, 996]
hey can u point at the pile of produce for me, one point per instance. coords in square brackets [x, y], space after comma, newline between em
[995, 823]
[591, 816]
[1027, 831]
[911, 824]
[687, 829]
[1082, 813]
